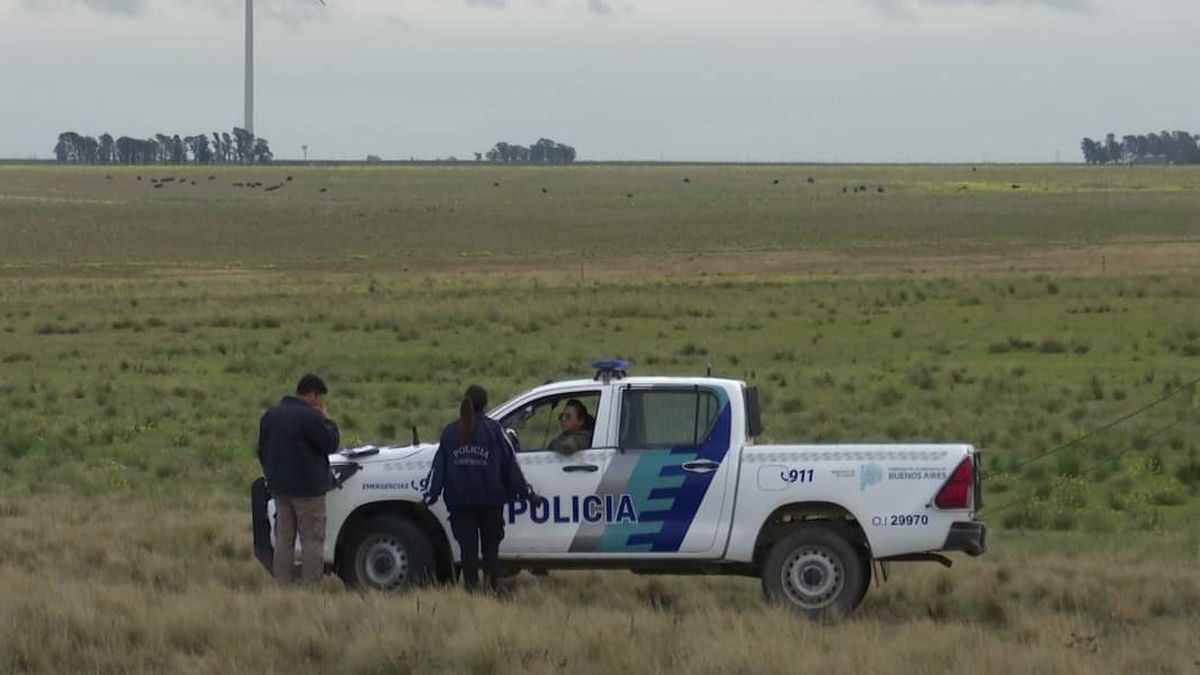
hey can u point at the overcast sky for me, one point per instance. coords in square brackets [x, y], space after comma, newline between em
[765, 80]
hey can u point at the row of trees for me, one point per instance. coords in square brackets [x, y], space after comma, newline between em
[240, 147]
[1168, 147]
[545, 151]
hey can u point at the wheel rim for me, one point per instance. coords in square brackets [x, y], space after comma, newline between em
[383, 562]
[812, 577]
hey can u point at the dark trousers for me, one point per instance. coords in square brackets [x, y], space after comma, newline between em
[473, 526]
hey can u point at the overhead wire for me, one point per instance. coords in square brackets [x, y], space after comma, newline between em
[1117, 422]
[1157, 432]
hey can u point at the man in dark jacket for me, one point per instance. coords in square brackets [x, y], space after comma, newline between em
[295, 439]
[476, 470]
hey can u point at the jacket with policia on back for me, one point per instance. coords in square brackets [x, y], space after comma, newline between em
[294, 443]
[481, 472]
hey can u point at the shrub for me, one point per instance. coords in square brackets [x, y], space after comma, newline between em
[1030, 515]
[16, 441]
[1051, 346]
[887, 395]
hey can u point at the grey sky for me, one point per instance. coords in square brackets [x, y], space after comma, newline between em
[768, 80]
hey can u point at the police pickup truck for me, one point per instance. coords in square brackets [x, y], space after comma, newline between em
[673, 483]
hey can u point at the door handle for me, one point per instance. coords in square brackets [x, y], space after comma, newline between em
[702, 466]
[572, 468]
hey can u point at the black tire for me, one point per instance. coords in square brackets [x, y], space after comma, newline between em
[815, 571]
[868, 574]
[387, 553]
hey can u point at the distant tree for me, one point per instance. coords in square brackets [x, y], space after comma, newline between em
[1185, 145]
[218, 148]
[242, 147]
[1113, 148]
[260, 153]
[106, 149]
[243, 142]
[178, 150]
[500, 153]
[198, 146]
[1154, 146]
[126, 150]
[70, 147]
[62, 151]
[1172, 147]
[1129, 146]
[89, 150]
[544, 151]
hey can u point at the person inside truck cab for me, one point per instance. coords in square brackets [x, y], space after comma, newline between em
[577, 426]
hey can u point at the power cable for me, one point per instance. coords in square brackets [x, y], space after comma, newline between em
[1110, 425]
[1094, 467]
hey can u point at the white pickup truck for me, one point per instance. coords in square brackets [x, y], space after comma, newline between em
[673, 483]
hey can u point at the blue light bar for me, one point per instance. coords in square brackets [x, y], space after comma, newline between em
[607, 369]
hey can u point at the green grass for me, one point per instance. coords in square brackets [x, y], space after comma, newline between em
[143, 331]
[144, 383]
[395, 216]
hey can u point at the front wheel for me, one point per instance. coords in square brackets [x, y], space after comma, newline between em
[387, 553]
[815, 570]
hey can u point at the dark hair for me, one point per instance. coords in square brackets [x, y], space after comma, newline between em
[311, 384]
[580, 410]
[473, 402]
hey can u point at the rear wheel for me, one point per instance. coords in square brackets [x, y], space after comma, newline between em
[816, 571]
[387, 553]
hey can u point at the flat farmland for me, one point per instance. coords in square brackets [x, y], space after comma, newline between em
[143, 330]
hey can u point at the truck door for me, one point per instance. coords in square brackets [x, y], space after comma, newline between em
[668, 475]
[568, 482]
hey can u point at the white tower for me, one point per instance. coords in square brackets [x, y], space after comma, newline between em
[249, 124]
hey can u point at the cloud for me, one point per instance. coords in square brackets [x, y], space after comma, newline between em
[596, 7]
[905, 7]
[288, 11]
[601, 7]
[118, 7]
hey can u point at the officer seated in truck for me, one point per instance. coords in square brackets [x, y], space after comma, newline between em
[577, 427]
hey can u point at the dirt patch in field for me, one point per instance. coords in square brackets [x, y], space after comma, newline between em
[1117, 259]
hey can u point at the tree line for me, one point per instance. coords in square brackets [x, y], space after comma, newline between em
[240, 147]
[1168, 147]
[544, 151]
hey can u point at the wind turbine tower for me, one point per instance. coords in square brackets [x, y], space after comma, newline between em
[249, 123]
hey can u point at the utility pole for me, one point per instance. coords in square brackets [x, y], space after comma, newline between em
[249, 123]
[304, 149]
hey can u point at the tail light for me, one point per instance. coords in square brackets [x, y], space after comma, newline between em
[956, 493]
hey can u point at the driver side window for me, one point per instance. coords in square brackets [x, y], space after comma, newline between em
[542, 425]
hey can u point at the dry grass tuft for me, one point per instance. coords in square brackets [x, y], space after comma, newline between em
[106, 585]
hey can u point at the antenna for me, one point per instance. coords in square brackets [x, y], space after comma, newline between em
[248, 123]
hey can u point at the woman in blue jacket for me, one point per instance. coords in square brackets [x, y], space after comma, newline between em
[476, 470]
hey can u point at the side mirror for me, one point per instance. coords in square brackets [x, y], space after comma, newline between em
[513, 438]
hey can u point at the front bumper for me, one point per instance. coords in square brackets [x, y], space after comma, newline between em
[969, 537]
[264, 550]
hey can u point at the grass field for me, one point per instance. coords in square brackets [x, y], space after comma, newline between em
[142, 331]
